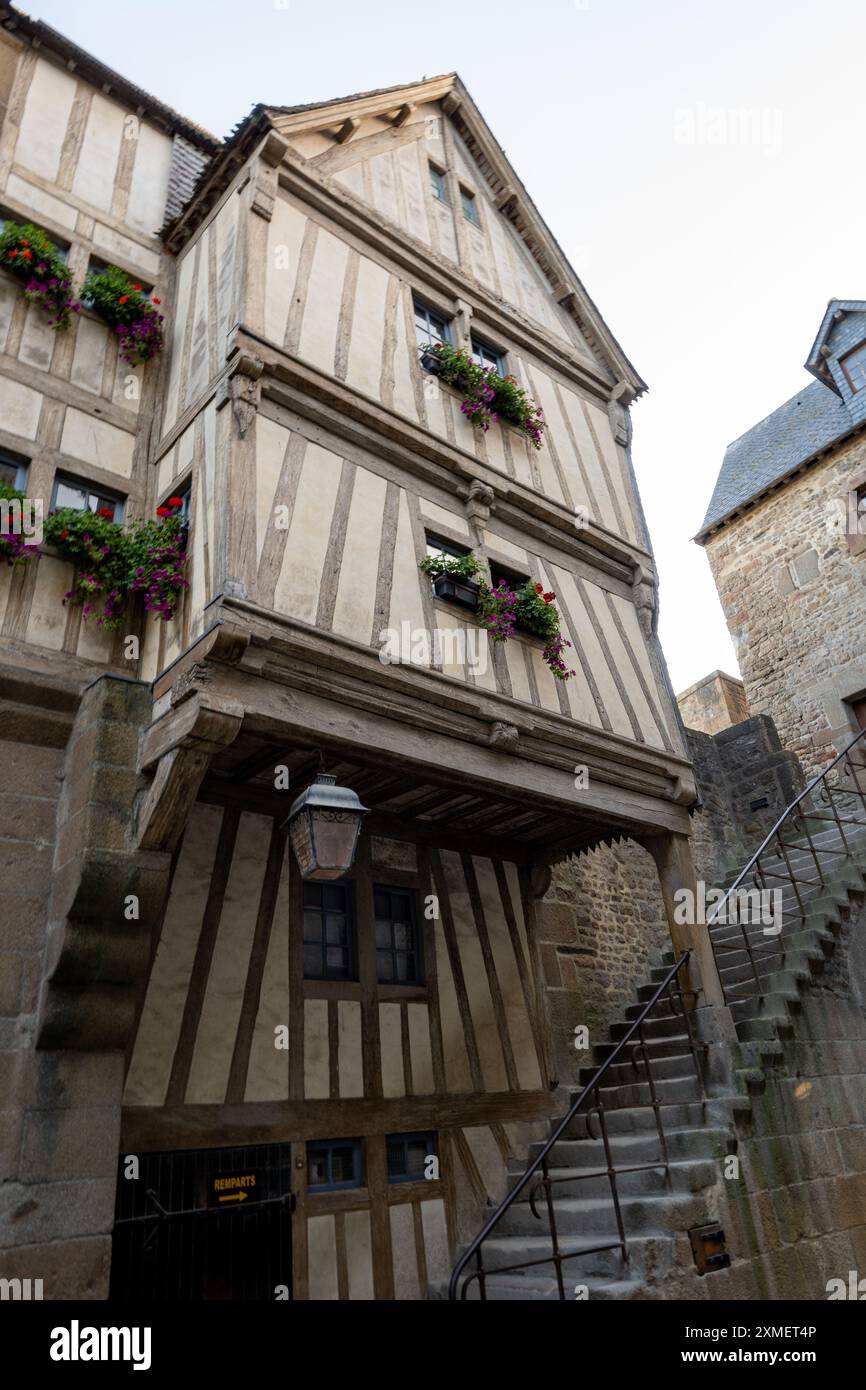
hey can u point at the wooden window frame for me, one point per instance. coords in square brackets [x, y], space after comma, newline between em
[439, 184]
[431, 1147]
[351, 945]
[843, 363]
[421, 306]
[357, 1147]
[417, 948]
[480, 346]
[96, 490]
[467, 196]
[9, 459]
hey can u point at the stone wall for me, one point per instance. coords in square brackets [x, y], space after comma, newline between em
[602, 925]
[64, 864]
[715, 703]
[793, 594]
[795, 1215]
[601, 928]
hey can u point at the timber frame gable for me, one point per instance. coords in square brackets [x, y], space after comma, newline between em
[341, 119]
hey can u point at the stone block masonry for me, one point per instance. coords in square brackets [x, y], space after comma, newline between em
[61, 1078]
[794, 595]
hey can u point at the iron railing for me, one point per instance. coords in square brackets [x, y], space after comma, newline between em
[634, 1042]
[797, 819]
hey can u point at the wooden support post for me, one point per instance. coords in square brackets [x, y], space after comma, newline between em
[673, 857]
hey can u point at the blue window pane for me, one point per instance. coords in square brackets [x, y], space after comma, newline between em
[438, 186]
[470, 207]
[487, 356]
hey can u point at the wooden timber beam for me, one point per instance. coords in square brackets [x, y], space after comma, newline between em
[347, 130]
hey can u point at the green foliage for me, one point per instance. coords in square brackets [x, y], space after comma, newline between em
[487, 396]
[123, 305]
[112, 563]
[13, 548]
[463, 567]
[27, 253]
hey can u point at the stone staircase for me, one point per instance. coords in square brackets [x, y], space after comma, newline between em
[659, 1208]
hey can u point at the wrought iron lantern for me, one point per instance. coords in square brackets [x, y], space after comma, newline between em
[324, 824]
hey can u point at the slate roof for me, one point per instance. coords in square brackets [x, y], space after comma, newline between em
[801, 428]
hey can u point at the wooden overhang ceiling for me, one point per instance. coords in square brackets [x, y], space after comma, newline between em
[402, 804]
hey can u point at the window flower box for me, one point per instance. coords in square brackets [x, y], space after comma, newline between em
[463, 592]
[430, 361]
[27, 253]
[487, 396]
[134, 317]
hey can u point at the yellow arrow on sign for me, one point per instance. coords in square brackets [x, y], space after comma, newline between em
[235, 1197]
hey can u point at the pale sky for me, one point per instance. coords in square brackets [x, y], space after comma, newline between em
[698, 162]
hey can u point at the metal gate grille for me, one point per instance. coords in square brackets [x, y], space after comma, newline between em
[170, 1246]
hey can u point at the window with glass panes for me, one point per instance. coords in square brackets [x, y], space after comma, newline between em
[398, 957]
[486, 356]
[430, 327]
[437, 545]
[334, 1164]
[854, 367]
[13, 471]
[81, 497]
[469, 206]
[438, 185]
[407, 1156]
[328, 936]
[185, 495]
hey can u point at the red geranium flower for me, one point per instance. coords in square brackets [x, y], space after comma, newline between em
[123, 298]
[539, 588]
[12, 255]
[63, 535]
[106, 512]
[136, 287]
[28, 255]
[548, 598]
[156, 301]
[163, 511]
[175, 502]
[25, 243]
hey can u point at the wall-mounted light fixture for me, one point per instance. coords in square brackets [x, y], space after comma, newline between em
[324, 824]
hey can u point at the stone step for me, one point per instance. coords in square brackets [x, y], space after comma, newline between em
[640, 1119]
[581, 1261]
[691, 1142]
[664, 1045]
[683, 1176]
[648, 1214]
[623, 1096]
[670, 1067]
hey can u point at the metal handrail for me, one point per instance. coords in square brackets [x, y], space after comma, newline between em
[789, 814]
[556, 1258]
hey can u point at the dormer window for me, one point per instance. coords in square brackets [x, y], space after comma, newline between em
[854, 367]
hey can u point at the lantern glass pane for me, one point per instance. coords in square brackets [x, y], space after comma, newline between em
[334, 835]
[302, 843]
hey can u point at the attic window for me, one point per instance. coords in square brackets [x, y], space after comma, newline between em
[469, 206]
[437, 184]
[854, 367]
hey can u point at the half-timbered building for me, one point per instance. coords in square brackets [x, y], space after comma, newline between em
[358, 1059]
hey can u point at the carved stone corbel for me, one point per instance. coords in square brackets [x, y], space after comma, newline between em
[505, 736]
[242, 390]
[645, 592]
[621, 398]
[479, 502]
